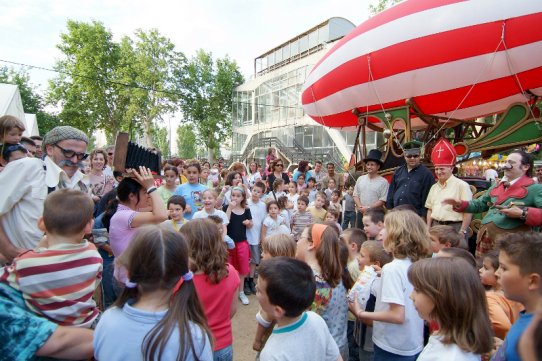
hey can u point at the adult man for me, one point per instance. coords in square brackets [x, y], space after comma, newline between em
[512, 205]
[339, 178]
[27, 181]
[538, 173]
[29, 145]
[110, 150]
[491, 174]
[448, 186]
[371, 189]
[38, 141]
[412, 181]
[317, 173]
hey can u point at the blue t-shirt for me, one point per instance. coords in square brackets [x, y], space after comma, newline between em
[509, 349]
[193, 195]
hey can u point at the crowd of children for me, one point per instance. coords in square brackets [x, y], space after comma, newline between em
[184, 254]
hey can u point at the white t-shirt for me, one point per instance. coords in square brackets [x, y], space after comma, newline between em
[275, 226]
[258, 212]
[306, 339]
[216, 212]
[491, 174]
[404, 339]
[435, 350]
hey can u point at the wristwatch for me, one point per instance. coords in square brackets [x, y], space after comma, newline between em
[524, 212]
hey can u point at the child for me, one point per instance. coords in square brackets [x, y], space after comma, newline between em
[373, 222]
[311, 188]
[354, 238]
[11, 130]
[230, 244]
[233, 179]
[258, 211]
[318, 246]
[397, 328]
[292, 195]
[282, 202]
[58, 278]
[335, 202]
[276, 192]
[301, 218]
[273, 223]
[12, 152]
[443, 236]
[447, 291]
[176, 206]
[502, 312]
[240, 219]
[192, 191]
[519, 274]
[215, 280]
[287, 302]
[349, 209]
[210, 200]
[166, 190]
[318, 209]
[300, 183]
[158, 315]
[330, 188]
[332, 216]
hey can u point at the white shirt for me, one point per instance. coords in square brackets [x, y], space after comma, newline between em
[56, 175]
[435, 350]
[258, 212]
[491, 174]
[216, 212]
[21, 201]
[370, 190]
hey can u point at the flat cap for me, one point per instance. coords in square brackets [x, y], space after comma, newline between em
[63, 132]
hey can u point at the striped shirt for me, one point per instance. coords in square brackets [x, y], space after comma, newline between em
[300, 221]
[58, 282]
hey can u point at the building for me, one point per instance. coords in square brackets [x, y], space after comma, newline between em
[267, 109]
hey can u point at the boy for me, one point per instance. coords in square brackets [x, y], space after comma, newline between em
[301, 218]
[443, 236]
[311, 187]
[373, 222]
[286, 288]
[176, 206]
[520, 276]
[317, 209]
[12, 152]
[349, 209]
[58, 279]
[258, 211]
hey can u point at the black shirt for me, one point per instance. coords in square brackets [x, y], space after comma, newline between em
[271, 178]
[236, 229]
[410, 188]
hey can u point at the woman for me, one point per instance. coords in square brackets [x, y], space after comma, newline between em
[253, 174]
[216, 281]
[100, 183]
[302, 169]
[278, 173]
[269, 159]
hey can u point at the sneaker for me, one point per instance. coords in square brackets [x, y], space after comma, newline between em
[243, 298]
[246, 287]
[252, 286]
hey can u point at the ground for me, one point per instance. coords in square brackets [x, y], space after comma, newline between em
[244, 328]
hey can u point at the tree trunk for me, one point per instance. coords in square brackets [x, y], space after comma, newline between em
[210, 151]
[147, 138]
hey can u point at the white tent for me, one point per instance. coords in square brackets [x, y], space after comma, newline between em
[31, 123]
[11, 104]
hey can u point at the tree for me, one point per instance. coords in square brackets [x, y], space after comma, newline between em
[160, 139]
[381, 6]
[206, 97]
[186, 141]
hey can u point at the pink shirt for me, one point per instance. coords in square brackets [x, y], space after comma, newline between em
[120, 229]
[217, 300]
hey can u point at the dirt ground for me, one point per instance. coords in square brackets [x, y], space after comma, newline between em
[244, 328]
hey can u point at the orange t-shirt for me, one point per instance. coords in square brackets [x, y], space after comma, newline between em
[502, 312]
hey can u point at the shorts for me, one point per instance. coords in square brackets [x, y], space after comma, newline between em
[239, 258]
[255, 254]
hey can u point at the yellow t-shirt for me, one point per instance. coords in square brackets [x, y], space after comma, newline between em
[453, 188]
[317, 214]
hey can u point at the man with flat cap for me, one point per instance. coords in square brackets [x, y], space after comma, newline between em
[371, 189]
[412, 181]
[27, 181]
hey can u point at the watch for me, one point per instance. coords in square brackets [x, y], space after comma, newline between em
[524, 212]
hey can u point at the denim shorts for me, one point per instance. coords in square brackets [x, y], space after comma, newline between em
[224, 354]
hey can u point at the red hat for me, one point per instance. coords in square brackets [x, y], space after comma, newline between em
[443, 153]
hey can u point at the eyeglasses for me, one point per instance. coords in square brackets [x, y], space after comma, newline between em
[409, 156]
[68, 153]
[280, 165]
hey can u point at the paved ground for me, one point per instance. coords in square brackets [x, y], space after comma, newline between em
[244, 328]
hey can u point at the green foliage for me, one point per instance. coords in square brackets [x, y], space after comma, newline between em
[186, 141]
[160, 139]
[206, 97]
[382, 5]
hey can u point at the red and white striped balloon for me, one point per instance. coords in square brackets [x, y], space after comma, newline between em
[433, 51]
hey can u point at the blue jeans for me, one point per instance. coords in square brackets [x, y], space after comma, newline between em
[109, 291]
[353, 348]
[224, 354]
[349, 219]
[381, 355]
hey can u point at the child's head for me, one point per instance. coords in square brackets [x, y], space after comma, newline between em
[354, 237]
[61, 218]
[218, 221]
[332, 215]
[239, 196]
[304, 192]
[443, 236]
[192, 172]
[209, 197]
[292, 187]
[233, 179]
[445, 288]
[302, 203]
[373, 253]
[207, 249]
[331, 183]
[460, 253]
[278, 184]
[281, 299]
[204, 174]
[320, 201]
[300, 180]
[335, 196]
[490, 265]
[311, 182]
[12, 152]
[278, 245]
[520, 268]
[320, 242]
[11, 129]
[350, 190]
[156, 261]
[171, 174]
[258, 190]
[373, 222]
[175, 207]
[131, 192]
[282, 202]
[272, 208]
[407, 236]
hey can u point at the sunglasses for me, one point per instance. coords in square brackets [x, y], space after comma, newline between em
[68, 153]
[280, 165]
[412, 156]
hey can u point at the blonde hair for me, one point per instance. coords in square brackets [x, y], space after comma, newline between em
[98, 151]
[377, 253]
[279, 245]
[327, 254]
[8, 122]
[407, 235]
[460, 305]
[446, 234]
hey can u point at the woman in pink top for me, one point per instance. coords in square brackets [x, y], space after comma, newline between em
[216, 281]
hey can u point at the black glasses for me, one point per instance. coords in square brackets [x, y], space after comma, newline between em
[412, 156]
[68, 153]
[280, 165]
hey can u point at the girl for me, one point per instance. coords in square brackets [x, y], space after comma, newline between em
[192, 190]
[176, 206]
[209, 209]
[274, 223]
[233, 179]
[318, 246]
[292, 195]
[301, 184]
[282, 202]
[166, 190]
[216, 282]
[397, 329]
[335, 203]
[100, 183]
[240, 219]
[447, 290]
[158, 316]
[269, 159]
[204, 178]
[502, 312]
[276, 192]
[11, 132]
[254, 175]
[332, 217]
[331, 186]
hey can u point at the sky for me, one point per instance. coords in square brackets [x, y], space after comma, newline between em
[241, 29]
